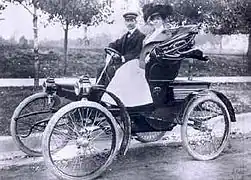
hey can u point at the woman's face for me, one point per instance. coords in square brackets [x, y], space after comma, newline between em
[156, 21]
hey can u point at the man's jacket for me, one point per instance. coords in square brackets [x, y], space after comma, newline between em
[129, 47]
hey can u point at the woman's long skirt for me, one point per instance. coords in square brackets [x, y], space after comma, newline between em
[129, 85]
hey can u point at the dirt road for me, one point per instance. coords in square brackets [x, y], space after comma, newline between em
[161, 161]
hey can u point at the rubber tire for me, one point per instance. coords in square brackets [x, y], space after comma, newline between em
[17, 112]
[47, 134]
[190, 107]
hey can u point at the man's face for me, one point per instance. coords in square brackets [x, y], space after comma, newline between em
[130, 23]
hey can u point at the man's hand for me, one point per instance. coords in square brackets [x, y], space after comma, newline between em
[116, 56]
[117, 59]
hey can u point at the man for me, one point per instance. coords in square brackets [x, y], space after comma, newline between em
[129, 46]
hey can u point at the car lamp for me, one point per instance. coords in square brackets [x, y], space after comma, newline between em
[49, 86]
[83, 86]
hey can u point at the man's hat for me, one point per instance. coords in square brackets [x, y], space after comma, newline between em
[152, 9]
[130, 15]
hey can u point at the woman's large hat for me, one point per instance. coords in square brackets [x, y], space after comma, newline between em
[162, 10]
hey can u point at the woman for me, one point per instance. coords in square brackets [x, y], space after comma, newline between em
[155, 16]
[129, 82]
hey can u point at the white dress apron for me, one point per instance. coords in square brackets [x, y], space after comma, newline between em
[129, 85]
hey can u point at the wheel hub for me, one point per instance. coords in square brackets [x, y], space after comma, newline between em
[83, 142]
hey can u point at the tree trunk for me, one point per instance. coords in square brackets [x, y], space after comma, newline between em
[249, 54]
[36, 58]
[221, 47]
[66, 46]
[86, 40]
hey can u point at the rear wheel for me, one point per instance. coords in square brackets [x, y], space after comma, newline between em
[30, 119]
[206, 127]
[92, 136]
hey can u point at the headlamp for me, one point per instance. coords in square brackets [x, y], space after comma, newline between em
[82, 86]
[49, 86]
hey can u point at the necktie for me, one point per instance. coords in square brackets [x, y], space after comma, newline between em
[128, 34]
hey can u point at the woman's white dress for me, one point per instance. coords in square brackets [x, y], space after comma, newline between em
[129, 85]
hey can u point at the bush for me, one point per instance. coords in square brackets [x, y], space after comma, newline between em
[19, 63]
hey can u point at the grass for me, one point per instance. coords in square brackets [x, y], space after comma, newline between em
[219, 65]
[238, 93]
[10, 97]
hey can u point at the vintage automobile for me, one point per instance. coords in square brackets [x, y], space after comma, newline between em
[82, 138]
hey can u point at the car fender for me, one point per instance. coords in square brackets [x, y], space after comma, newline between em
[228, 104]
[196, 94]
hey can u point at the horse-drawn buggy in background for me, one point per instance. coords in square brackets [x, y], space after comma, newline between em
[82, 138]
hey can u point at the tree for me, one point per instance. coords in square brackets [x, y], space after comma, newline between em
[225, 17]
[238, 20]
[2, 7]
[12, 40]
[28, 5]
[23, 42]
[72, 13]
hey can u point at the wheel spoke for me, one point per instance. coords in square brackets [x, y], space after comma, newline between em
[98, 135]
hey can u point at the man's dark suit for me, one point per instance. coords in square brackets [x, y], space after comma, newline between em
[129, 47]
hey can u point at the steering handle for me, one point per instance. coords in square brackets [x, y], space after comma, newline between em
[111, 51]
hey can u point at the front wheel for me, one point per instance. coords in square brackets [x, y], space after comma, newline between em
[206, 127]
[92, 136]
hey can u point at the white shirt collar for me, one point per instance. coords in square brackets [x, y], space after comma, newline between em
[132, 30]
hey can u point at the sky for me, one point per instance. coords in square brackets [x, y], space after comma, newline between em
[18, 22]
